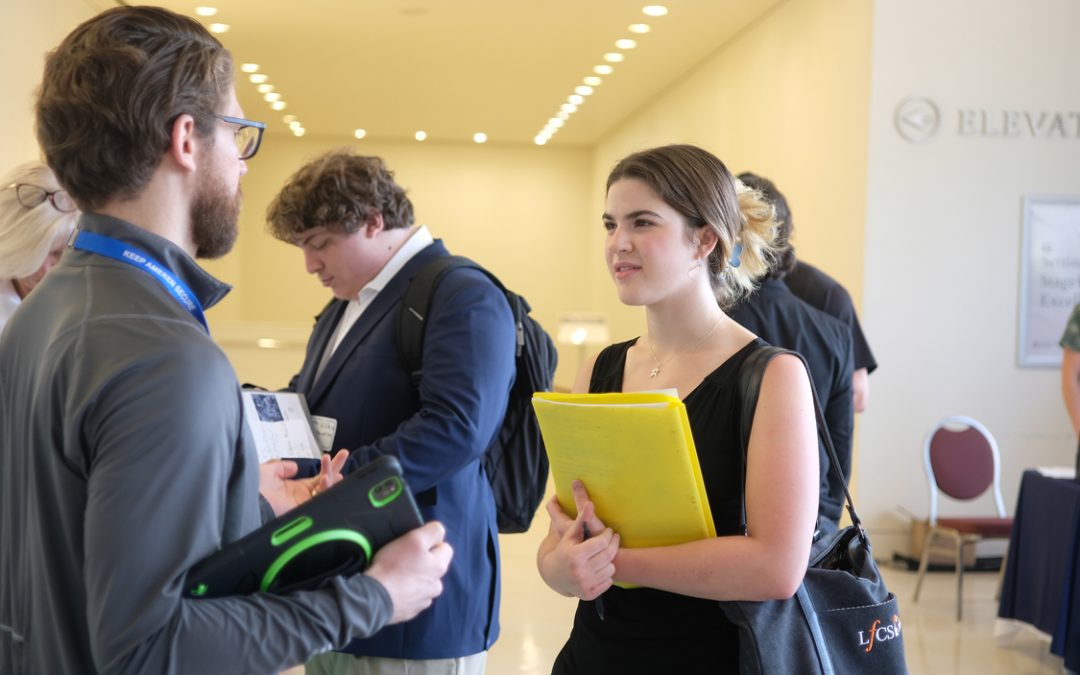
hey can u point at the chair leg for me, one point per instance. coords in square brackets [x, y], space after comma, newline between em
[1001, 573]
[959, 577]
[924, 561]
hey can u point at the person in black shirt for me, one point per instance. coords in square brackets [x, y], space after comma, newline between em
[778, 317]
[821, 291]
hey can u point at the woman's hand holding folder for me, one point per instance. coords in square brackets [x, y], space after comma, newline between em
[572, 562]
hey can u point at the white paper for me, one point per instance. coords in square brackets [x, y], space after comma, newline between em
[280, 424]
[1057, 471]
[324, 428]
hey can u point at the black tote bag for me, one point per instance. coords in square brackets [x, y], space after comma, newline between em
[842, 619]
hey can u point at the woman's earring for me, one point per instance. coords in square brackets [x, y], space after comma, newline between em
[736, 256]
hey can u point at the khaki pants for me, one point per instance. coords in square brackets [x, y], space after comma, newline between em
[336, 663]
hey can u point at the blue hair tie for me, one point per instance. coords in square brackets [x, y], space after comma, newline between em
[736, 256]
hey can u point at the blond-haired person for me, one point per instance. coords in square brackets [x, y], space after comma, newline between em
[36, 218]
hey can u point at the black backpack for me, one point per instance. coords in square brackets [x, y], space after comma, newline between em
[516, 462]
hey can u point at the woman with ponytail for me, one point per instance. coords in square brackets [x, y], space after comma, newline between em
[684, 241]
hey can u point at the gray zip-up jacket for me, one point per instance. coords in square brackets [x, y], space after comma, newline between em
[124, 460]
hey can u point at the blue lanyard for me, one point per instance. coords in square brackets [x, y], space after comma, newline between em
[111, 248]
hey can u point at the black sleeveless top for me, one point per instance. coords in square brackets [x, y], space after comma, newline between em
[650, 631]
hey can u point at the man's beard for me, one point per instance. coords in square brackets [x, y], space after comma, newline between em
[214, 215]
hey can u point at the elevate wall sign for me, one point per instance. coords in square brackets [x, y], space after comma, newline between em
[918, 120]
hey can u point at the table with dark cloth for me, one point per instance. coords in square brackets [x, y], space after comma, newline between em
[1042, 577]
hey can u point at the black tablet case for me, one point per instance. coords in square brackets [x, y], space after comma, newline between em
[335, 533]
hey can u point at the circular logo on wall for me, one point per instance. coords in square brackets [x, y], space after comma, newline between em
[917, 119]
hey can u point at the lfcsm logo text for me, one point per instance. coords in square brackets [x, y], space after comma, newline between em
[880, 632]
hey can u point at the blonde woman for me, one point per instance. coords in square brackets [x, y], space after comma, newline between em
[36, 218]
[684, 239]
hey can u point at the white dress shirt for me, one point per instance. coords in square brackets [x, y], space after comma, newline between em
[419, 240]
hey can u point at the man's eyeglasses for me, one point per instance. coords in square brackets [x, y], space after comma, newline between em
[248, 135]
[31, 196]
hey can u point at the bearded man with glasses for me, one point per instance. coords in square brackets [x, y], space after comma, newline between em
[125, 456]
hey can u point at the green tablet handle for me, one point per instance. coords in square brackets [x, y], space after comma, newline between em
[309, 542]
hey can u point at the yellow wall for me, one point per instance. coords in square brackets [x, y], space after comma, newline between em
[786, 99]
[521, 211]
[29, 32]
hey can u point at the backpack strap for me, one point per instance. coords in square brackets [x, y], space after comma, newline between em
[751, 373]
[417, 304]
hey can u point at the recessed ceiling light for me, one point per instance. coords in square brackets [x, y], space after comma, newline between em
[250, 67]
[613, 57]
[568, 107]
[540, 139]
[295, 124]
[626, 43]
[639, 28]
[555, 122]
[576, 99]
[654, 10]
[420, 135]
[583, 89]
[563, 115]
[265, 88]
[299, 131]
[258, 78]
[603, 69]
[272, 96]
[288, 119]
[592, 81]
[480, 137]
[219, 28]
[278, 105]
[206, 11]
[360, 133]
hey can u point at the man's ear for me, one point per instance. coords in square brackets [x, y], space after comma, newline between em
[182, 142]
[374, 224]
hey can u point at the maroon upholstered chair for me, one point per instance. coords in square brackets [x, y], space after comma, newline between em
[962, 461]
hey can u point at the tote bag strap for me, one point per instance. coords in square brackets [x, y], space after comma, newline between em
[751, 372]
[807, 605]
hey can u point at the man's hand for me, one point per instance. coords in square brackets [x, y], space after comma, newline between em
[284, 494]
[411, 569]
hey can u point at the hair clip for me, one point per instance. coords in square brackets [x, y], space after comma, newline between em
[736, 256]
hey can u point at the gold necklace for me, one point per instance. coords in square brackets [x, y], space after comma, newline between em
[656, 370]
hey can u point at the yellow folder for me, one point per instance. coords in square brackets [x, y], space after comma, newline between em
[635, 455]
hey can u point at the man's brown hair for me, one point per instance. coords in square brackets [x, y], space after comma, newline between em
[339, 190]
[112, 91]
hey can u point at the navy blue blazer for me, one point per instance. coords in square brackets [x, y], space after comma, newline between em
[438, 433]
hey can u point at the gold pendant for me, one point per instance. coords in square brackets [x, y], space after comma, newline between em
[655, 372]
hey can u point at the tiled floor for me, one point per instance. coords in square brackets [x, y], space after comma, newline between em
[535, 622]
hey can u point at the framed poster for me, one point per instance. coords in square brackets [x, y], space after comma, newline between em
[1049, 276]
